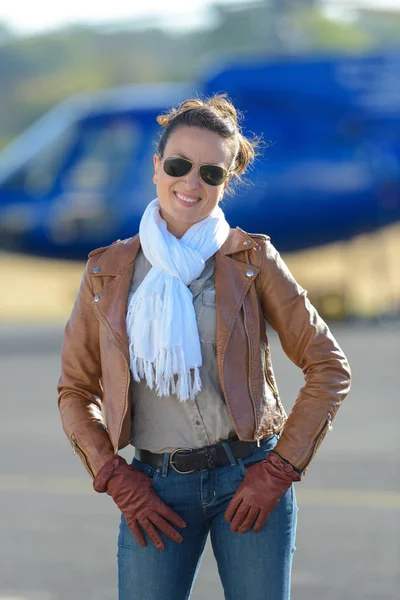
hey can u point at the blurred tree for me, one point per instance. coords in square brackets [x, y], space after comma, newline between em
[324, 33]
[38, 71]
[383, 26]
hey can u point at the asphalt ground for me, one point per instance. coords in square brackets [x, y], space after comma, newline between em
[58, 537]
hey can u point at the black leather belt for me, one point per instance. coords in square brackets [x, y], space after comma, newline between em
[186, 460]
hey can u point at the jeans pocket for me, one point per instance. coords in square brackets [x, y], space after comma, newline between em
[242, 468]
[150, 470]
[261, 452]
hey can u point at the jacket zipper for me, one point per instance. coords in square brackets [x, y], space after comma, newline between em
[117, 345]
[327, 424]
[77, 448]
[257, 432]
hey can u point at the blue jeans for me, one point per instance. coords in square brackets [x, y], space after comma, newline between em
[252, 566]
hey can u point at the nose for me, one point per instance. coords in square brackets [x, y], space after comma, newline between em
[192, 179]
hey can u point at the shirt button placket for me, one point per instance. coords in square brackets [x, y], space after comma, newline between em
[198, 425]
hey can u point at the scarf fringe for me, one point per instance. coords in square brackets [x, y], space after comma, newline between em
[167, 374]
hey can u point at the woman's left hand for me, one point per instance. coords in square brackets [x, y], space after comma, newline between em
[260, 491]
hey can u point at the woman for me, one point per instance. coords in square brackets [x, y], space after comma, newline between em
[166, 349]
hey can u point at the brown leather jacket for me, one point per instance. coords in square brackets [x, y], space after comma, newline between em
[252, 285]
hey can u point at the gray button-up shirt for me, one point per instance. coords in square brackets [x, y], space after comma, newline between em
[162, 424]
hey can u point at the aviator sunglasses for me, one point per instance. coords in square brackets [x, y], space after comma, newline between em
[175, 166]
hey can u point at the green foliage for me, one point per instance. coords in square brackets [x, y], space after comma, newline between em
[327, 34]
[39, 71]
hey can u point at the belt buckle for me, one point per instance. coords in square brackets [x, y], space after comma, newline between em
[171, 461]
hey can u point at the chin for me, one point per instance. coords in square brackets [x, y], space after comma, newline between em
[181, 215]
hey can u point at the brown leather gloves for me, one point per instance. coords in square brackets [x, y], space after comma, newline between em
[260, 491]
[132, 492]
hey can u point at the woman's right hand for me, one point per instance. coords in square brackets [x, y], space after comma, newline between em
[132, 492]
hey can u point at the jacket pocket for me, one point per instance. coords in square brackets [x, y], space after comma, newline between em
[267, 366]
[77, 448]
[271, 383]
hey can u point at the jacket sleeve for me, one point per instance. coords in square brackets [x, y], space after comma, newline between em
[308, 342]
[79, 387]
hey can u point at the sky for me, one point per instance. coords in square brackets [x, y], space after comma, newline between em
[33, 17]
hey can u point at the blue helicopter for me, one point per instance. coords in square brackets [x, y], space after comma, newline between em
[81, 176]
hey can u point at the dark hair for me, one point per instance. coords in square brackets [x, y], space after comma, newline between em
[216, 114]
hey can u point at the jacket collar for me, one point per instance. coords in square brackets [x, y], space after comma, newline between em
[116, 258]
[237, 241]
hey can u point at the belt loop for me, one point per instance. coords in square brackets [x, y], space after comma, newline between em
[229, 454]
[164, 468]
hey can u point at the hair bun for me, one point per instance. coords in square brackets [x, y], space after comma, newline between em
[165, 120]
[221, 104]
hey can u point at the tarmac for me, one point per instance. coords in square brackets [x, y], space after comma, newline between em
[59, 538]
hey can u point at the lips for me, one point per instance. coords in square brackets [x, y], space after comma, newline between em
[186, 200]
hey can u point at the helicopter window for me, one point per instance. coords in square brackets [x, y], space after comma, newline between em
[16, 181]
[106, 152]
[88, 188]
[39, 176]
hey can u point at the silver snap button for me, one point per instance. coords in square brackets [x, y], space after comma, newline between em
[96, 298]
[96, 269]
[250, 273]
[248, 243]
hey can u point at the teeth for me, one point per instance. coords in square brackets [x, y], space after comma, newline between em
[186, 199]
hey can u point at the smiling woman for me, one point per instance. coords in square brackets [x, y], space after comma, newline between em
[166, 350]
[200, 151]
[187, 199]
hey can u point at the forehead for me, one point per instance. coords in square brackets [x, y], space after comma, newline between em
[198, 145]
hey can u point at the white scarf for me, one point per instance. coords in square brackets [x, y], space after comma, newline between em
[161, 321]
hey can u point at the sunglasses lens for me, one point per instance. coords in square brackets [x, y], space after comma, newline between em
[213, 174]
[177, 167]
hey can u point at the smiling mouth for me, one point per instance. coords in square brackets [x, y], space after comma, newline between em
[186, 200]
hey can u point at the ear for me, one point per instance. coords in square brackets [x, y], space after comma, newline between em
[157, 165]
[225, 185]
[227, 180]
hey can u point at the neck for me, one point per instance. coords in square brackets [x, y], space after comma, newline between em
[176, 228]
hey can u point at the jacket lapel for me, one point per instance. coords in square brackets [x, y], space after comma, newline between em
[233, 279]
[117, 262]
